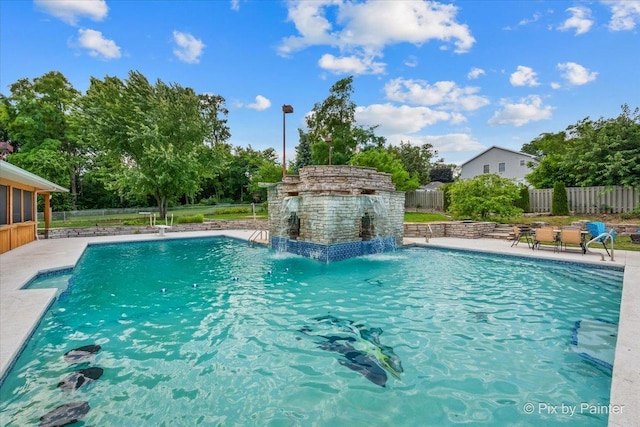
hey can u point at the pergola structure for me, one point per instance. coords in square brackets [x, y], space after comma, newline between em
[19, 190]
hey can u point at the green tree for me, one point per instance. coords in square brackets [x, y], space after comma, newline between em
[484, 196]
[523, 202]
[604, 152]
[244, 164]
[39, 115]
[550, 149]
[559, 202]
[416, 160]
[157, 132]
[303, 152]
[332, 128]
[442, 173]
[388, 162]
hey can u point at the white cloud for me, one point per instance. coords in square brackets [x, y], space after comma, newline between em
[448, 143]
[524, 22]
[555, 85]
[624, 14]
[453, 142]
[97, 45]
[475, 73]
[260, 104]
[365, 29]
[235, 5]
[70, 11]
[411, 61]
[189, 48]
[580, 20]
[443, 93]
[350, 65]
[529, 109]
[576, 74]
[523, 76]
[394, 119]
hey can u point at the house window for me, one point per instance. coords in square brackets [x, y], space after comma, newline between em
[500, 167]
[485, 169]
[17, 205]
[4, 205]
[27, 205]
[521, 162]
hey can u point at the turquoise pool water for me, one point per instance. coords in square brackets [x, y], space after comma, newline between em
[215, 332]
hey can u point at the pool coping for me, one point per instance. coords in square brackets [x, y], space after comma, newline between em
[22, 309]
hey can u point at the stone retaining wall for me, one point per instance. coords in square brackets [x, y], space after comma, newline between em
[461, 229]
[59, 233]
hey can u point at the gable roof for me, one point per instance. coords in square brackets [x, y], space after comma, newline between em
[14, 173]
[495, 147]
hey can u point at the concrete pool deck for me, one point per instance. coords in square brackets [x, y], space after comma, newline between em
[21, 309]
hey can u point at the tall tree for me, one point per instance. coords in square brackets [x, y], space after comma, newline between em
[604, 152]
[332, 129]
[156, 132]
[303, 152]
[416, 160]
[39, 116]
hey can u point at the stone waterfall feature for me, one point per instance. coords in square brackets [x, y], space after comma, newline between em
[330, 213]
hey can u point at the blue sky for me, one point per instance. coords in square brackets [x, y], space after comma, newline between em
[462, 75]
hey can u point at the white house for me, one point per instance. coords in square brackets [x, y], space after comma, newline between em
[506, 163]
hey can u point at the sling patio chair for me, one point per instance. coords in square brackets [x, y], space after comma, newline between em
[600, 234]
[572, 236]
[545, 236]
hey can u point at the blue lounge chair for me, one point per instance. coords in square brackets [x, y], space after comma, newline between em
[599, 232]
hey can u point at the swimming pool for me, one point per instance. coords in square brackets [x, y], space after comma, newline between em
[271, 339]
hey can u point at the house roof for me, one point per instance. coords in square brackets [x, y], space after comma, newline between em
[500, 148]
[14, 173]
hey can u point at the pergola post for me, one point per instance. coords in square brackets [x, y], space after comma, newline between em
[47, 214]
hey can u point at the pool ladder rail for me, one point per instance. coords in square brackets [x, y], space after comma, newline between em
[602, 238]
[260, 236]
[161, 227]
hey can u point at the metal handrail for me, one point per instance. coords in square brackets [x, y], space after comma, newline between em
[426, 237]
[261, 234]
[601, 238]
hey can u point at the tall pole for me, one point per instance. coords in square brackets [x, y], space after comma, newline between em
[328, 140]
[286, 109]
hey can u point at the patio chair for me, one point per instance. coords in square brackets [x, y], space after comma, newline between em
[517, 233]
[635, 238]
[572, 236]
[599, 233]
[545, 236]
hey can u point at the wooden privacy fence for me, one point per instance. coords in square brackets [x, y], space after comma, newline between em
[589, 200]
[582, 200]
[420, 199]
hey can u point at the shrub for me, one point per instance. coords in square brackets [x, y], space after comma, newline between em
[484, 196]
[238, 210]
[190, 219]
[560, 202]
[523, 201]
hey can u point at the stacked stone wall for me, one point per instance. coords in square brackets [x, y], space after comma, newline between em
[59, 233]
[343, 180]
